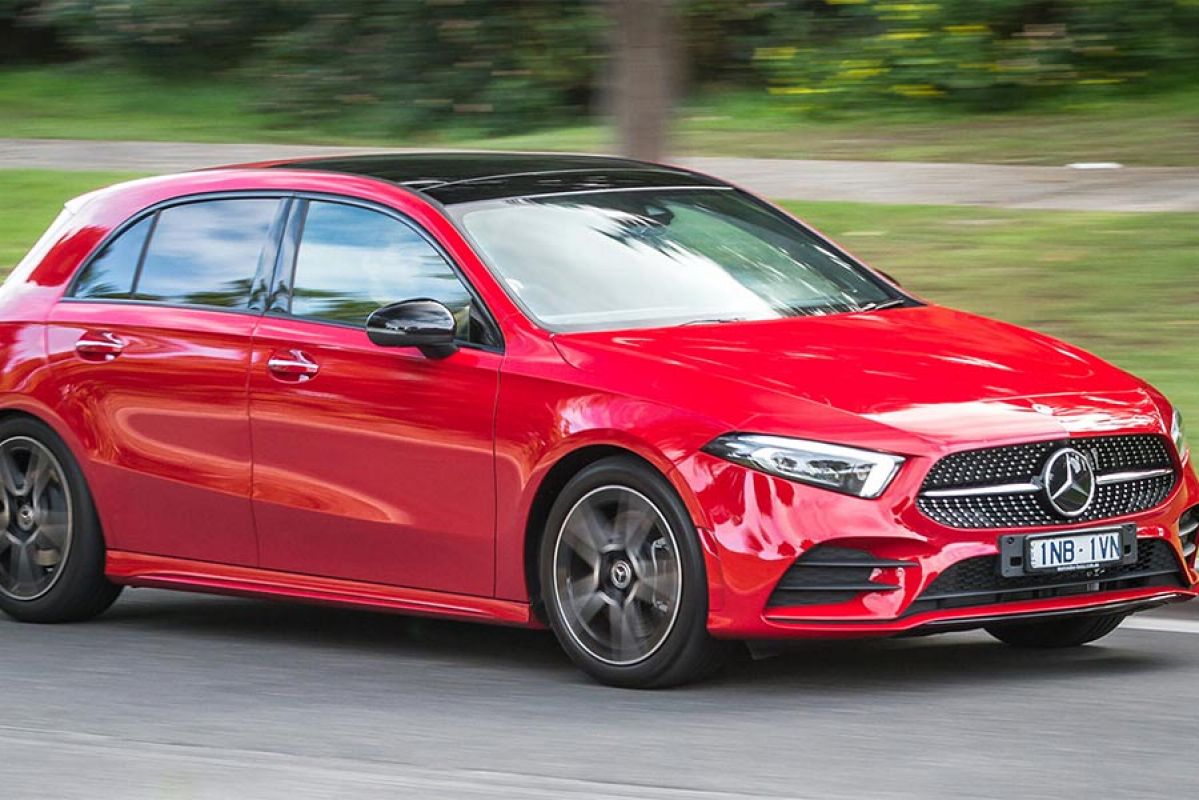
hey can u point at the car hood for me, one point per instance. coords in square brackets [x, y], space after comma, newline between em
[927, 372]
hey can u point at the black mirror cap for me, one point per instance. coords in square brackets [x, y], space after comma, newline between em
[424, 324]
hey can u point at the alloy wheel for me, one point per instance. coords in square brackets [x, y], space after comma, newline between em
[35, 518]
[617, 575]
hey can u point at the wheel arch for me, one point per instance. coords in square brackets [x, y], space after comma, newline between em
[75, 447]
[554, 481]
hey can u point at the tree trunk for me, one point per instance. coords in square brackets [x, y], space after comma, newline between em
[644, 74]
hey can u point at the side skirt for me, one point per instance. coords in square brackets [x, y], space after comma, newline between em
[162, 572]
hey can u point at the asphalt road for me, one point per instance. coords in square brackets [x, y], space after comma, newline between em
[1064, 187]
[184, 696]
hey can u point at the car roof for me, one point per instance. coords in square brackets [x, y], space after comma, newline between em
[464, 177]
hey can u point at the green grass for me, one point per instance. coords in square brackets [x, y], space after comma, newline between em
[92, 102]
[1122, 285]
[31, 199]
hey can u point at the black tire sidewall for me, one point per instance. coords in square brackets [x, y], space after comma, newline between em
[81, 590]
[680, 656]
[1056, 633]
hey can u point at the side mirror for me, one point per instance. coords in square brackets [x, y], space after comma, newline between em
[424, 324]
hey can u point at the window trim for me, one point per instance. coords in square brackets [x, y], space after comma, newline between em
[273, 242]
[283, 279]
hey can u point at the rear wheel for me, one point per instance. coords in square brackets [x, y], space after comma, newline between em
[623, 579]
[51, 550]
[1067, 632]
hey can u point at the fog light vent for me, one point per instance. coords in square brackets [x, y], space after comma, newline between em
[1188, 534]
[827, 575]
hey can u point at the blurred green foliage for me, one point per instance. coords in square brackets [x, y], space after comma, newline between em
[506, 66]
[986, 54]
[506, 63]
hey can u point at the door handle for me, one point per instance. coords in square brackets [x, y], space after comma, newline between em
[100, 346]
[293, 366]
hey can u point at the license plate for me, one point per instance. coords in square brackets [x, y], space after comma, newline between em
[1074, 551]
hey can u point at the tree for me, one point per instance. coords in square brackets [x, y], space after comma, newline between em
[645, 73]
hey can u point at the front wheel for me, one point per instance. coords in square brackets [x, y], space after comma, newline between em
[623, 579]
[1054, 633]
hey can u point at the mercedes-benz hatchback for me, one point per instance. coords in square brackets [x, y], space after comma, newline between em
[629, 402]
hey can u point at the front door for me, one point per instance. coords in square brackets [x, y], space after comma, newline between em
[370, 463]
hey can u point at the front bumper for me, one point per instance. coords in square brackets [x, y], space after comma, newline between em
[755, 527]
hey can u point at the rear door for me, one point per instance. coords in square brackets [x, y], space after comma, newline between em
[370, 463]
[151, 352]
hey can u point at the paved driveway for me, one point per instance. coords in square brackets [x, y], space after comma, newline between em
[184, 696]
[1126, 189]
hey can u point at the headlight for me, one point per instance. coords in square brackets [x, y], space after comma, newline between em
[1179, 435]
[864, 473]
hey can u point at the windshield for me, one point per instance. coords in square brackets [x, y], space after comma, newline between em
[653, 258]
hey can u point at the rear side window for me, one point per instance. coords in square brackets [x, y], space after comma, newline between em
[352, 261]
[201, 254]
[110, 274]
[206, 253]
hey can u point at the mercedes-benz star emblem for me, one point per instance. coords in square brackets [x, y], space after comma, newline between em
[1069, 481]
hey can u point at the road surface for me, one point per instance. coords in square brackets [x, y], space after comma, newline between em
[185, 696]
[1060, 188]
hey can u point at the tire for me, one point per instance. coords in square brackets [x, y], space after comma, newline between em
[1056, 633]
[51, 547]
[623, 579]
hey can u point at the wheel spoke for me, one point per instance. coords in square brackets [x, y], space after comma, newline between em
[52, 531]
[38, 474]
[636, 525]
[22, 569]
[589, 605]
[586, 535]
[655, 592]
[618, 632]
[628, 629]
[10, 474]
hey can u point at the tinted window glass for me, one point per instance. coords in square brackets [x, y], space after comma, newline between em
[206, 253]
[110, 274]
[352, 261]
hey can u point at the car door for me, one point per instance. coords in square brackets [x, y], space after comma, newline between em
[370, 463]
[150, 351]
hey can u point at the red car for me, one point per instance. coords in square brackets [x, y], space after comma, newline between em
[627, 401]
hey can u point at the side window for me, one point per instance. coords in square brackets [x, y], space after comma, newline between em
[352, 261]
[110, 274]
[206, 253]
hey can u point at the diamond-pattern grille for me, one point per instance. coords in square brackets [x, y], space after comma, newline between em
[1024, 464]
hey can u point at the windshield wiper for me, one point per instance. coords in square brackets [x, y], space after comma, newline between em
[898, 301]
[714, 321]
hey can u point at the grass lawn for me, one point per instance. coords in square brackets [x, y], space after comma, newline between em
[87, 102]
[1122, 285]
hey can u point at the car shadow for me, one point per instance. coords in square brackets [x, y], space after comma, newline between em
[325, 626]
[906, 665]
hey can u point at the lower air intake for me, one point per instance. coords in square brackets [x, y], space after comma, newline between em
[828, 575]
[977, 581]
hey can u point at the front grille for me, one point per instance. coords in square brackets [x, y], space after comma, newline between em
[826, 575]
[1023, 464]
[977, 581]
